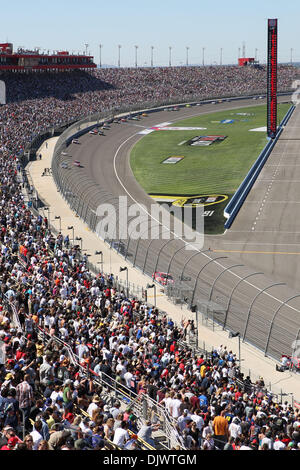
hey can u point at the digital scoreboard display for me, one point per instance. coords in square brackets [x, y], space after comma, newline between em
[272, 79]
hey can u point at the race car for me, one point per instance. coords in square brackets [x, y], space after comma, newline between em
[94, 131]
[64, 165]
[123, 119]
[65, 154]
[75, 141]
[163, 278]
[144, 114]
[76, 163]
[100, 132]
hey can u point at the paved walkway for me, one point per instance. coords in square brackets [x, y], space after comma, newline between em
[253, 362]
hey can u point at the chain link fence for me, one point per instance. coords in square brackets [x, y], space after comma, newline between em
[231, 296]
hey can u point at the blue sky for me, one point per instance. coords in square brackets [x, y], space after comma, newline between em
[69, 25]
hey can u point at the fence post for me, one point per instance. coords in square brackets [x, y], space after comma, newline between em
[275, 314]
[226, 269]
[231, 294]
[206, 264]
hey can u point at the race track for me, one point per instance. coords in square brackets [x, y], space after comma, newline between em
[261, 238]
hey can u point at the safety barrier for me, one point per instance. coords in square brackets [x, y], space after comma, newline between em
[236, 202]
[202, 279]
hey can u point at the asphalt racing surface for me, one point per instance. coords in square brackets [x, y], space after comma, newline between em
[244, 285]
[266, 233]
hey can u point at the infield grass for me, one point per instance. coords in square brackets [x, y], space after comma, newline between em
[215, 169]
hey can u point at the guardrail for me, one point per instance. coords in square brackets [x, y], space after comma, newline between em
[238, 199]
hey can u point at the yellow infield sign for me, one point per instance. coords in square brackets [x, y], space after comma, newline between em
[192, 201]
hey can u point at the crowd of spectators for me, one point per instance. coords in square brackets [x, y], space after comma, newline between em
[48, 401]
[43, 393]
[38, 101]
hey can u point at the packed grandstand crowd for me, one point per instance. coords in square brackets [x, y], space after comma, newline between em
[48, 401]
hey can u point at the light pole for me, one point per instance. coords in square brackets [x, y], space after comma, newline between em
[101, 260]
[152, 286]
[221, 55]
[72, 228]
[136, 48]
[119, 57]
[80, 240]
[48, 210]
[125, 269]
[256, 56]
[195, 310]
[170, 56]
[152, 47]
[100, 55]
[292, 55]
[203, 50]
[58, 217]
[187, 56]
[86, 47]
[234, 335]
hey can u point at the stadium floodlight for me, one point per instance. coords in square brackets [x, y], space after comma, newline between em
[101, 260]
[170, 56]
[119, 57]
[100, 55]
[152, 47]
[136, 48]
[86, 48]
[58, 217]
[80, 240]
[125, 269]
[203, 50]
[187, 56]
[233, 334]
[152, 286]
[72, 228]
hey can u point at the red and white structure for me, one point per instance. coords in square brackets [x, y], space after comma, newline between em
[32, 61]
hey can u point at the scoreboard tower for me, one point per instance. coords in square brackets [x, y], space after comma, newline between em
[272, 79]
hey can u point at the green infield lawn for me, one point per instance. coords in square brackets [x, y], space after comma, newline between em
[215, 169]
